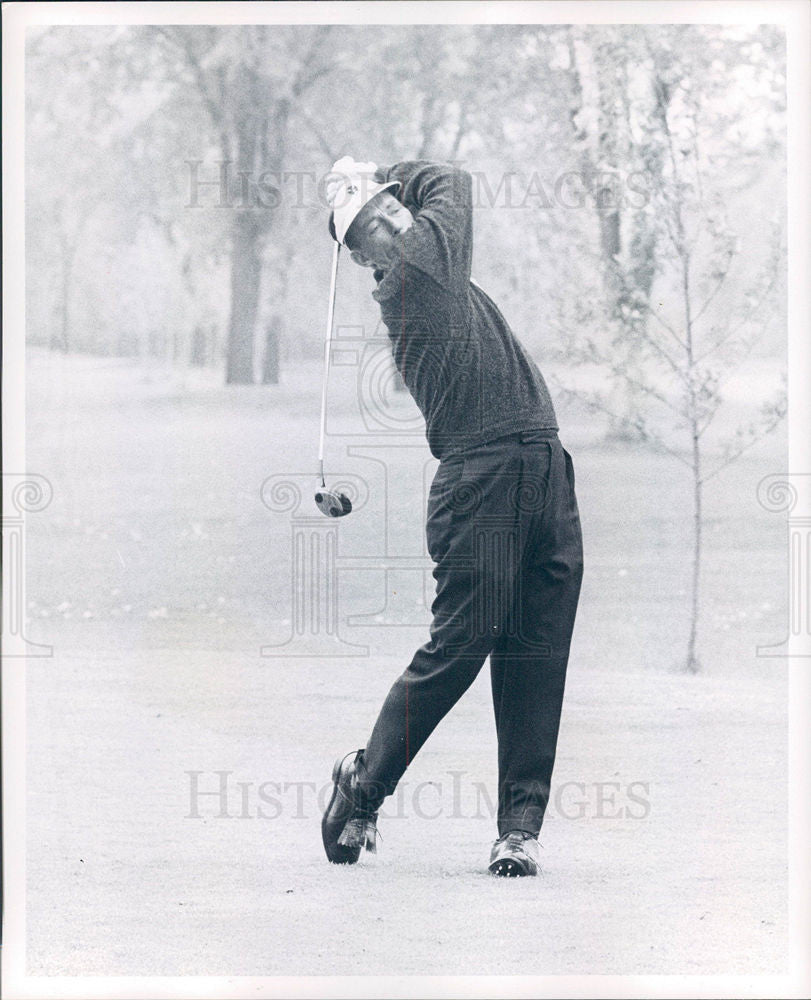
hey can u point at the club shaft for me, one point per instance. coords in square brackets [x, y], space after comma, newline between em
[327, 346]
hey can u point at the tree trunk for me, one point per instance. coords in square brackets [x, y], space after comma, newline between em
[199, 351]
[692, 397]
[260, 140]
[246, 273]
[63, 344]
[600, 149]
[693, 663]
[270, 368]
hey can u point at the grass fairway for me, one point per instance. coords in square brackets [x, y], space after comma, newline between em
[157, 573]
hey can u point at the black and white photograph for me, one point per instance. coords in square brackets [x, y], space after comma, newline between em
[406, 499]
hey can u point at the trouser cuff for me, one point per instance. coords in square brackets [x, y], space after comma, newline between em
[507, 825]
[370, 793]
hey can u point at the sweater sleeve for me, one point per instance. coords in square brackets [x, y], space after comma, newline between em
[440, 243]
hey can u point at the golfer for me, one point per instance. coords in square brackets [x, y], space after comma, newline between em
[502, 527]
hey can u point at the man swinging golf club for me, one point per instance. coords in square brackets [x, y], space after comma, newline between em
[502, 525]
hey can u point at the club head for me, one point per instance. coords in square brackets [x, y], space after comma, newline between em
[333, 504]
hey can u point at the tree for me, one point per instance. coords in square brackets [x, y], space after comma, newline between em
[691, 337]
[251, 81]
[65, 187]
[604, 68]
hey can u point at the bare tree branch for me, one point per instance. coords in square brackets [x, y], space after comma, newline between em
[593, 403]
[716, 290]
[744, 448]
[316, 131]
[461, 129]
[746, 319]
[666, 325]
[181, 41]
[305, 80]
[648, 390]
[663, 354]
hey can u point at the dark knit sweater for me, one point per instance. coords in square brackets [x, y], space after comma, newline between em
[469, 375]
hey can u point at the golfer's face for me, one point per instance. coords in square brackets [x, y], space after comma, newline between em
[377, 225]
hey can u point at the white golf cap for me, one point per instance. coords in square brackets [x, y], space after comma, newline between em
[349, 187]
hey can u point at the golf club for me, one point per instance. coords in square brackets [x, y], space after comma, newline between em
[328, 501]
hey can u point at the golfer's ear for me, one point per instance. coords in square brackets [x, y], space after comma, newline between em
[359, 259]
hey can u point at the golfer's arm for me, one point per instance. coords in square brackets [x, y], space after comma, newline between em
[440, 243]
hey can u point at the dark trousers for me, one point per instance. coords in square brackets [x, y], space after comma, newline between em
[504, 533]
